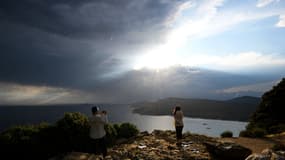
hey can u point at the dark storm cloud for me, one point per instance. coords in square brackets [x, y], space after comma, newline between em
[89, 18]
[40, 59]
[71, 43]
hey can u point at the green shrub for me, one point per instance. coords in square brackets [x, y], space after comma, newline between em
[26, 134]
[73, 129]
[75, 122]
[278, 147]
[21, 140]
[127, 130]
[245, 133]
[258, 132]
[70, 133]
[277, 128]
[253, 132]
[111, 134]
[117, 127]
[227, 134]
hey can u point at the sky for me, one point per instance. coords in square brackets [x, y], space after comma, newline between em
[124, 51]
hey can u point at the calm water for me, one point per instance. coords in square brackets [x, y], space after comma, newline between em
[116, 113]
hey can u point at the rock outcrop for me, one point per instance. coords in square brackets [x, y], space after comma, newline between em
[226, 151]
[163, 145]
[267, 154]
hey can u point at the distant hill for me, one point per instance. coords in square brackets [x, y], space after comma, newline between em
[238, 109]
[245, 100]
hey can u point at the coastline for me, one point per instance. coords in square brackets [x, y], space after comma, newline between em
[188, 116]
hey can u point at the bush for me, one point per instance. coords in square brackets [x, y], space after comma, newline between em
[70, 133]
[24, 141]
[74, 122]
[253, 132]
[23, 134]
[258, 132]
[277, 128]
[73, 129]
[245, 133]
[278, 147]
[227, 134]
[127, 130]
[117, 127]
[111, 134]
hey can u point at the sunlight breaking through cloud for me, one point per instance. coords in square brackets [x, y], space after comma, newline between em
[98, 50]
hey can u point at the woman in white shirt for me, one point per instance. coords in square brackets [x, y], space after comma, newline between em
[178, 121]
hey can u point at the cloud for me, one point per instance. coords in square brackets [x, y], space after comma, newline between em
[139, 85]
[210, 8]
[250, 59]
[18, 94]
[281, 22]
[213, 17]
[76, 43]
[98, 19]
[258, 87]
[53, 51]
[238, 61]
[23, 94]
[263, 3]
[73, 43]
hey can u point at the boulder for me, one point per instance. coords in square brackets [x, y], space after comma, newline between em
[227, 151]
[266, 154]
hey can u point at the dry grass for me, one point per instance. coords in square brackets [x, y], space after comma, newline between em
[257, 144]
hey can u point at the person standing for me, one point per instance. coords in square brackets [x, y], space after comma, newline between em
[178, 121]
[97, 132]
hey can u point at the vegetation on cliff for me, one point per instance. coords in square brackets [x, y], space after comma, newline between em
[71, 133]
[269, 116]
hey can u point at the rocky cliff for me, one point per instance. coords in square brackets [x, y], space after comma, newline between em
[163, 145]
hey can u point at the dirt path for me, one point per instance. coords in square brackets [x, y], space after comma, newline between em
[257, 144]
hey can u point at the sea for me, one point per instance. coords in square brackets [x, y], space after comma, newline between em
[117, 113]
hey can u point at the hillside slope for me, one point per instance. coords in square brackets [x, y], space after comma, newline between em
[270, 113]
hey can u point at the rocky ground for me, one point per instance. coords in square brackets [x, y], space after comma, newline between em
[163, 145]
[257, 145]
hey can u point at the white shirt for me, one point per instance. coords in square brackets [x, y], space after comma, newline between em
[97, 123]
[178, 118]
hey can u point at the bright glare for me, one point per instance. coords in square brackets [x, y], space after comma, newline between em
[168, 55]
[156, 59]
[163, 56]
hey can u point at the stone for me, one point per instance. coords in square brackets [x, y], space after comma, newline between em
[266, 154]
[227, 151]
[122, 140]
[257, 157]
[170, 147]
